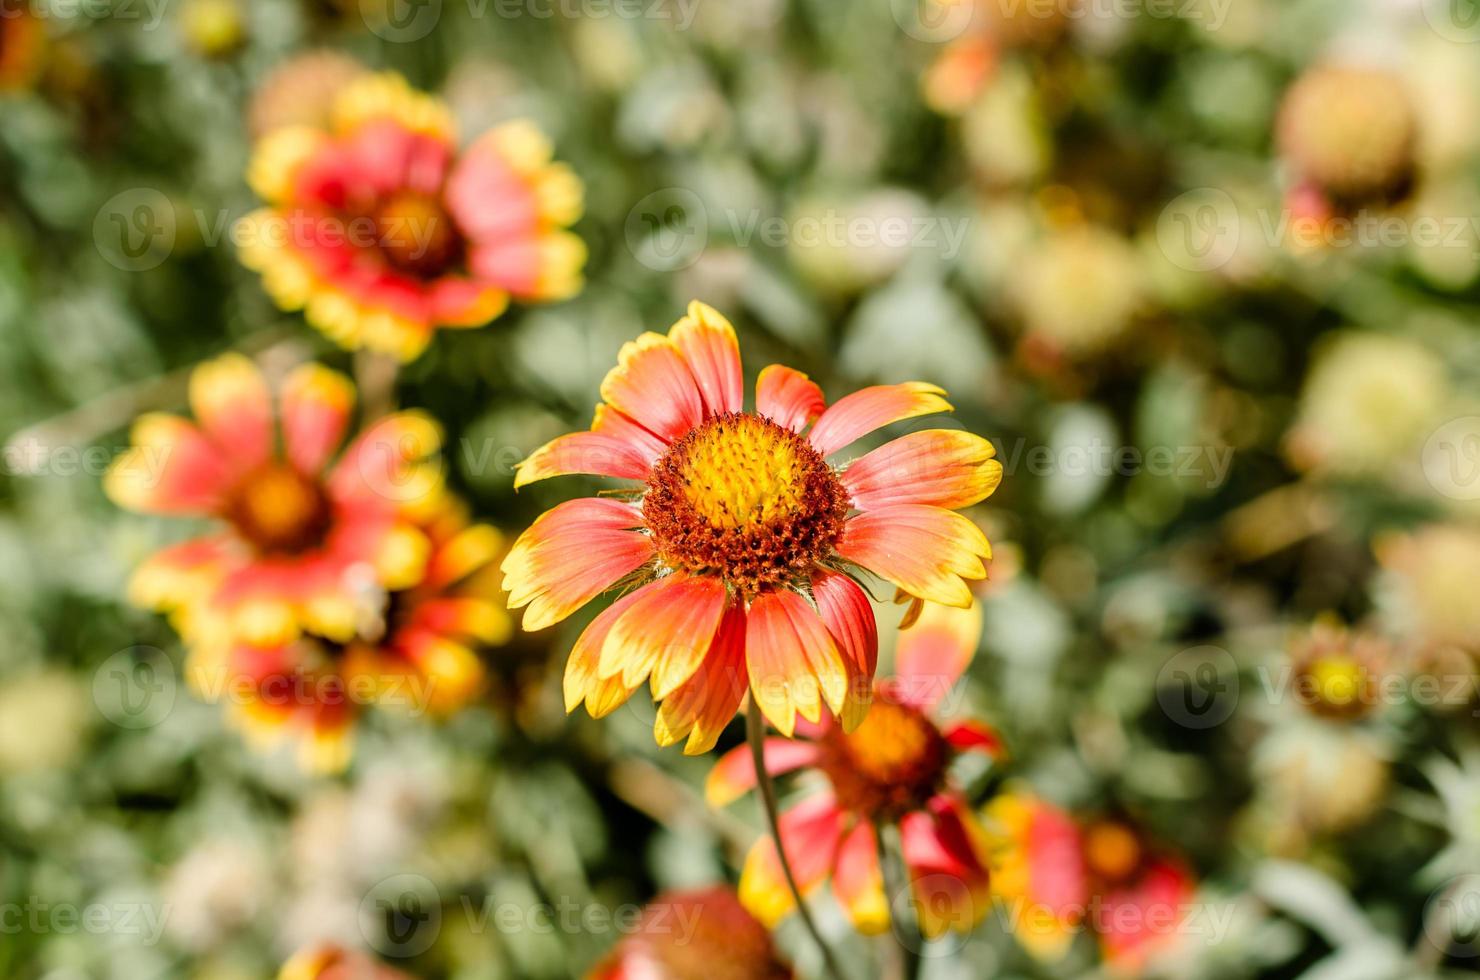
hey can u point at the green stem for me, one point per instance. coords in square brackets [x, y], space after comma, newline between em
[755, 734]
[905, 927]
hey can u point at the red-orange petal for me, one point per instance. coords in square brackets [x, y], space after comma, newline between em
[232, 403]
[974, 736]
[734, 774]
[810, 832]
[703, 705]
[707, 342]
[788, 397]
[570, 555]
[940, 467]
[942, 849]
[845, 610]
[666, 633]
[934, 652]
[171, 468]
[581, 452]
[582, 683]
[652, 385]
[857, 882]
[607, 421]
[855, 416]
[315, 405]
[926, 551]
[793, 662]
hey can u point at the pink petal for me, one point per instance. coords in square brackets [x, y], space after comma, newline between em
[653, 386]
[707, 342]
[926, 551]
[734, 774]
[933, 653]
[860, 413]
[787, 397]
[940, 467]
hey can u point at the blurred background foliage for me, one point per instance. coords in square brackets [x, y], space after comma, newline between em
[1066, 285]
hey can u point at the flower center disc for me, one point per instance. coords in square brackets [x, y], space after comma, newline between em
[416, 234]
[893, 762]
[279, 510]
[745, 498]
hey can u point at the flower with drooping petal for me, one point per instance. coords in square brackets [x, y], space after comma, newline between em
[1142, 895]
[741, 543]
[703, 934]
[414, 649]
[892, 768]
[382, 231]
[302, 541]
[1038, 871]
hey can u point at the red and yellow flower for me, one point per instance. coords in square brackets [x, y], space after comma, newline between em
[704, 934]
[1142, 896]
[1038, 871]
[329, 962]
[302, 542]
[892, 768]
[414, 651]
[382, 231]
[741, 543]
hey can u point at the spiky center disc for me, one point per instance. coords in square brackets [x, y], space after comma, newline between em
[890, 764]
[279, 510]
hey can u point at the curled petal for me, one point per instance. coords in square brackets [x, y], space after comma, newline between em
[933, 653]
[734, 774]
[666, 634]
[926, 551]
[581, 452]
[315, 403]
[788, 397]
[940, 467]
[794, 665]
[652, 385]
[707, 342]
[231, 402]
[809, 832]
[855, 416]
[601, 695]
[570, 555]
[849, 617]
[703, 705]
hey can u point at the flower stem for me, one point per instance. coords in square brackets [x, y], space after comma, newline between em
[906, 927]
[755, 734]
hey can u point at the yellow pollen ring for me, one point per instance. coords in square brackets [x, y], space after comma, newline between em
[743, 473]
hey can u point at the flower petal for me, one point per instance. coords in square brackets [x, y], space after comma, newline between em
[793, 663]
[171, 468]
[857, 882]
[570, 555]
[607, 421]
[940, 467]
[231, 402]
[810, 831]
[315, 405]
[926, 551]
[854, 416]
[933, 653]
[582, 683]
[652, 385]
[703, 705]
[974, 736]
[845, 610]
[788, 397]
[943, 851]
[581, 452]
[734, 774]
[707, 342]
[666, 633]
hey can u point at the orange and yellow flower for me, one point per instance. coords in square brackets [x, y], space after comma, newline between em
[330, 962]
[414, 651]
[301, 542]
[1038, 872]
[1142, 896]
[382, 231]
[741, 543]
[892, 768]
[704, 934]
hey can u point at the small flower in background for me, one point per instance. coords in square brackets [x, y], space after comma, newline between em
[703, 934]
[301, 91]
[1339, 672]
[1038, 871]
[1351, 134]
[741, 546]
[336, 963]
[213, 28]
[382, 231]
[1141, 895]
[22, 47]
[1368, 403]
[1425, 596]
[1078, 292]
[968, 64]
[300, 542]
[892, 768]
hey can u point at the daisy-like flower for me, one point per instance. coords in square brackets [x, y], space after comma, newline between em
[704, 934]
[892, 768]
[300, 542]
[741, 543]
[414, 651]
[382, 231]
[1141, 896]
[1038, 872]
